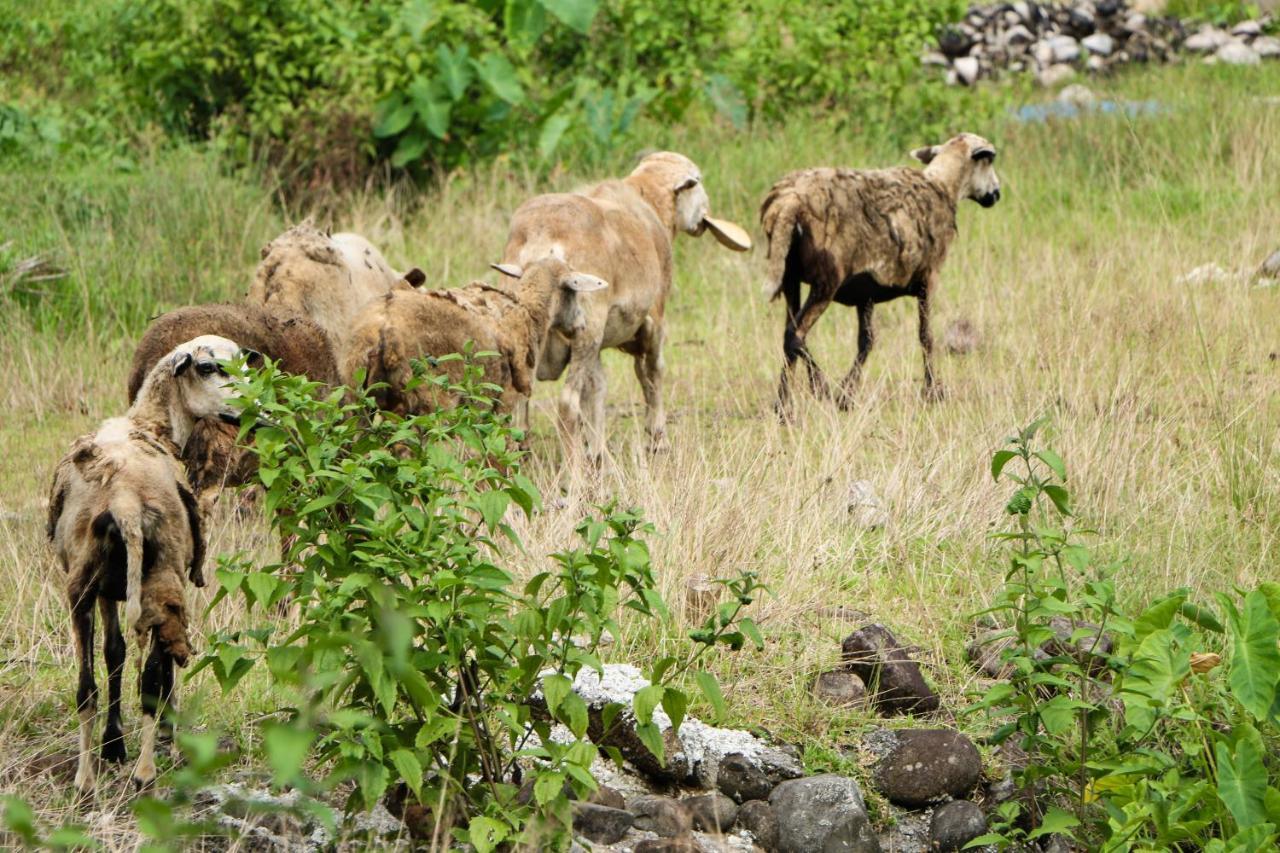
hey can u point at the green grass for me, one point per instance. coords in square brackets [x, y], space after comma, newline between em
[1163, 396]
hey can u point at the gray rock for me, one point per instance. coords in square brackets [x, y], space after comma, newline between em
[1100, 44]
[606, 796]
[985, 652]
[1054, 75]
[712, 812]
[892, 678]
[960, 337]
[1065, 49]
[1270, 268]
[864, 506]
[1208, 40]
[1247, 29]
[927, 765]
[1043, 53]
[822, 813]
[1267, 47]
[935, 59]
[1077, 94]
[1237, 53]
[683, 844]
[757, 817]
[840, 687]
[967, 69]
[955, 824]
[601, 824]
[1018, 36]
[742, 779]
[662, 815]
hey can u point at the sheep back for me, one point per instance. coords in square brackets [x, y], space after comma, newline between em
[894, 224]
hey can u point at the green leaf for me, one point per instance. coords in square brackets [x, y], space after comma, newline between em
[549, 137]
[675, 703]
[497, 72]
[1054, 461]
[393, 119]
[651, 736]
[1059, 714]
[749, 628]
[409, 768]
[410, 148]
[286, 747]
[999, 459]
[1159, 615]
[1060, 498]
[1159, 665]
[711, 689]
[574, 14]
[547, 787]
[1255, 660]
[554, 688]
[574, 713]
[454, 68]
[645, 700]
[1202, 616]
[485, 833]
[493, 505]
[1055, 822]
[1242, 777]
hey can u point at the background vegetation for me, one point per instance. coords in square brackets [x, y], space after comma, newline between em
[150, 161]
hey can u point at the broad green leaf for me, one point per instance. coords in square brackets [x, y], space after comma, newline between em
[485, 833]
[1260, 836]
[554, 688]
[410, 148]
[1054, 461]
[651, 736]
[1159, 665]
[547, 787]
[409, 768]
[286, 747]
[1060, 498]
[675, 703]
[645, 700]
[574, 14]
[999, 459]
[1202, 616]
[711, 689]
[1242, 777]
[574, 713]
[1059, 714]
[497, 72]
[549, 137]
[455, 69]
[1255, 659]
[393, 119]
[1055, 822]
[1159, 615]
[525, 20]
[493, 504]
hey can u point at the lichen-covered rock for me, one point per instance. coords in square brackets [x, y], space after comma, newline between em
[840, 687]
[662, 815]
[758, 818]
[742, 779]
[712, 812]
[955, 824]
[822, 813]
[893, 679]
[601, 824]
[927, 765]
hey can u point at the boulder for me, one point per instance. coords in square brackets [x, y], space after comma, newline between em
[606, 796]
[1237, 53]
[683, 844]
[711, 812]
[894, 680]
[967, 69]
[1065, 49]
[955, 824]
[601, 824]
[1208, 40]
[1267, 47]
[840, 687]
[742, 779]
[927, 765]
[757, 817]
[822, 813]
[1100, 44]
[661, 815]
[1270, 268]
[1055, 75]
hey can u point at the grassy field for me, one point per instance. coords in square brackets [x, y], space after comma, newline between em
[1163, 397]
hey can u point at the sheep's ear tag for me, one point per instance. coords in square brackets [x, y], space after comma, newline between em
[581, 282]
[181, 362]
[925, 154]
[728, 234]
[415, 276]
[511, 270]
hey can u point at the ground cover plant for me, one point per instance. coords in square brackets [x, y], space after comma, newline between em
[1161, 398]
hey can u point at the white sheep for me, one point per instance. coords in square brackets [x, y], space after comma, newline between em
[126, 528]
[860, 237]
[620, 231]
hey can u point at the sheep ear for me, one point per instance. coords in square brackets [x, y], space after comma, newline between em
[181, 362]
[510, 270]
[581, 282]
[687, 182]
[252, 358]
[988, 154]
[926, 154]
[415, 276]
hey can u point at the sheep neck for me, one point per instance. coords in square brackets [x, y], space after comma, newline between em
[158, 410]
[951, 170]
[533, 294]
[662, 200]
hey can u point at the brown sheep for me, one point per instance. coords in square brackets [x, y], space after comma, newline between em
[860, 237]
[299, 345]
[411, 324]
[328, 278]
[620, 231]
[126, 528]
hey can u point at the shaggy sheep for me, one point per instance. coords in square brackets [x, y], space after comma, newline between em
[327, 278]
[125, 528]
[212, 457]
[412, 324]
[620, 231]
[859, 237]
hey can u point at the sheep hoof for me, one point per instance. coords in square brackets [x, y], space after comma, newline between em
[143, 782]
[85, 784]
[658, 443]
[935, 393]
[113, 751]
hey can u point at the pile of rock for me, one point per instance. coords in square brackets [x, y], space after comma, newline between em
[1055, 40]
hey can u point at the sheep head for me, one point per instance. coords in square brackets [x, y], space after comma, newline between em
[552, 276]
[689, 206]
[967, 164]
[199, 371]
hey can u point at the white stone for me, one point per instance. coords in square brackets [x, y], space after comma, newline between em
[865, 507]
[1096, 64]
[1247, 28]
[1207, 40]
[1065, 49]
[1077, 94]
[1209, 274]
[1018, 35]
[1055, 74]
[1043, 52]
[1238, 53]
[967, 69]
[934, 58]
[1267, 47]
[1136, 22]
[1099, 43]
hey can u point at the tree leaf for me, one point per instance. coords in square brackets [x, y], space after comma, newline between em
[393, 118]
[1242, 778]
[574, 14]
[645, 700]
[1054, 461]
[1255, 660]
[999, 459]
[711, 689]
[455, 70]
[286, 747]
[549, 137]
[497, 72]
[409, 768]
[675, 703]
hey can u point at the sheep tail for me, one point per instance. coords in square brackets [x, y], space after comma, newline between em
[127, 512]
[778, 217]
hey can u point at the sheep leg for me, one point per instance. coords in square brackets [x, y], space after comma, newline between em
[932, 390]
[155, 685]
[649, 369]
[86, 692]
[866, 339]
[795, 346]
[582, 406]
[114, 648]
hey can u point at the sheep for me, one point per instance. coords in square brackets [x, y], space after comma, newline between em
[860, 237]
[413, 324]
[621, 231]
[125, 527]
[212, 458]
[327, 278]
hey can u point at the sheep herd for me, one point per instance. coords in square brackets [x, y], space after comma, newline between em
[591, 270]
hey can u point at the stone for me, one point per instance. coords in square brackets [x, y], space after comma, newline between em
[865, 507]
[1065, 49]
[712, 812]
[1042, 51]
[935, 59]
[601, 824]
[700, 598]
[1055, 75]
[985, 652]
[1237, 53]
[742, 779]
[955, 42]
[894, 680]
[1136, 22]
[757, 817]
[967, 69]
[955, 824]
[661, 815]
[620, 684]
[683, 844]
[927, 765]
[1247, 29]
[1270, 268]
[1100, 44]
[1018, 35]
[1208, 40]
[840, 687]
[606, 796]
[960, 337]
[822, 813]
[1267, 47]
[1095, 64]
[1207, 274]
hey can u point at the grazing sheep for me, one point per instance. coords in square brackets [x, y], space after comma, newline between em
[859, 237]
[212, 458]
[327, 278]
[125, 528]
[411, 324]
[620, 231]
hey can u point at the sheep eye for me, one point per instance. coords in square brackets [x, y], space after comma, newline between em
[205, 368]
